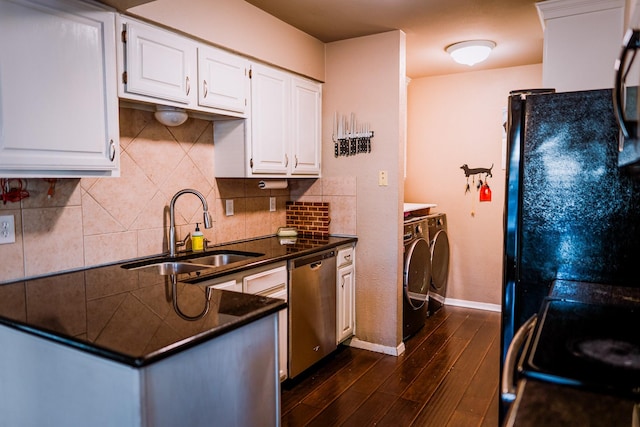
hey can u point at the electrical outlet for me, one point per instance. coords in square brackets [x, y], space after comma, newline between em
[229, 207]
[383, 179]
[272, 204]
[7, 229]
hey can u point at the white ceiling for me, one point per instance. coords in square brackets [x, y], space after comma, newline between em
[430, 26]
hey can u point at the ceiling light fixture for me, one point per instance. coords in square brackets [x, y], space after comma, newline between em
[170, 116]
[470, 52]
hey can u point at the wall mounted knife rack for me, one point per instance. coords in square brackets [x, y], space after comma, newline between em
[350, 137]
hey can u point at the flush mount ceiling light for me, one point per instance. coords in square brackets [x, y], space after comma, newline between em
[470, 52]
[170, 116]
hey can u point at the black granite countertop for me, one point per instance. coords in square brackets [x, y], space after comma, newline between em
[128, 315]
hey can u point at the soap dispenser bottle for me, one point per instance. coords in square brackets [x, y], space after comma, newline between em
[197, 239]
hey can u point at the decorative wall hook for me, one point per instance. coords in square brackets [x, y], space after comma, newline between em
[476, 171]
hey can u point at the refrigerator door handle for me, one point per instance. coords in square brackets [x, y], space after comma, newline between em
[631, 44]
[508, 387]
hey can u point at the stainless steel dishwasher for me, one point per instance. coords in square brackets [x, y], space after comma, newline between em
[312, 309]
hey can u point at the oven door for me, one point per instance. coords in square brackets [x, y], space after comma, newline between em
[625, 103]
[589, 346]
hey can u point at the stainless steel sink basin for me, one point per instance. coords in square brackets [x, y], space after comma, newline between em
[167, 268]
[223, 258]
[193, 262]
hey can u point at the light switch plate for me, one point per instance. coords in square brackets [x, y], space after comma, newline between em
[7, 229]
[229, 207]
[272, 204]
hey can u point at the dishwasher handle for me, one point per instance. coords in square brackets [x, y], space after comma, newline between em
[315, 260]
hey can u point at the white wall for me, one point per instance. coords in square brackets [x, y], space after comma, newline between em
[453, 120]
[366, 76]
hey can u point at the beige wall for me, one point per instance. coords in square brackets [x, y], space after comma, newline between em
[366, 76]
[241, 27]
[91, 221]
[453, 120]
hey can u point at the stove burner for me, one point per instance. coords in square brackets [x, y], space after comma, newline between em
[609, 351]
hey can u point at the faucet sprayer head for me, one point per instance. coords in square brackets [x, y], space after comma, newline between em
[207, 219]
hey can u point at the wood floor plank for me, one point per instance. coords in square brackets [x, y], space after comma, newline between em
[299, 415]
[339, 410]
[294, 391]
[464, 419]
[350, 387]
[378, 374]
[429, 379]
[342, 380]
[401, 413]
[411, 367]
[478, 395]
[371, 410]
[449, 393]
[491, 417]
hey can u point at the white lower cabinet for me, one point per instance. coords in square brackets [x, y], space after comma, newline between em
[229, 285]
[58, 92]
[345, 283]
[272, 283]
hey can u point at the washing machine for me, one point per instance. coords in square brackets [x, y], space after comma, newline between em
[439, 244]
[416, 275]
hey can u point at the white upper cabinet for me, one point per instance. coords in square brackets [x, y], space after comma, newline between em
[283, 135]
[582, 40]
[223, 79]
[158, 66]
[307, 113]
[159, 63]
[270, 111]
[58, 93]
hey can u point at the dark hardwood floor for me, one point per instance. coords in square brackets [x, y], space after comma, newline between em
[448, 376]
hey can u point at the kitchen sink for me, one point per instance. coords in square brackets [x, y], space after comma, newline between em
[192, 263]
[223, 258]
[167, 268]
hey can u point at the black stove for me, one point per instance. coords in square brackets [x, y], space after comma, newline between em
[587, 345]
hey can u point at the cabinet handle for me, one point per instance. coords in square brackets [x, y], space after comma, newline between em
[296, 161]
[206, 90]
[112, 150]
[188, 85]
[286, 160]
[347, 257]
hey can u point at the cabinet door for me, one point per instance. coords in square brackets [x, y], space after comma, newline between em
[270, 96]
[223, 80]
[58, 97]
[159, 63]
[306, 121]
[283, 333]
[345, 302]
[229, 285]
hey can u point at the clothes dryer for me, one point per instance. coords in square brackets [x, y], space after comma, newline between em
[437, 230]
[416, 275]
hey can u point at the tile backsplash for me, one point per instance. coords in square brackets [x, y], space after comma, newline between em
[94, 221]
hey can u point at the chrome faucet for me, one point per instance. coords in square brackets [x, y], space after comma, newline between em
[172, 217]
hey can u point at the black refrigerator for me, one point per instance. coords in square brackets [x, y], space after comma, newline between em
[570, 213]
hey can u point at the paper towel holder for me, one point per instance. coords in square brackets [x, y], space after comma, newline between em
[275, 184]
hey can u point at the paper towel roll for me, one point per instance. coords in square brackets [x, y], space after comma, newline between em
[273, 185]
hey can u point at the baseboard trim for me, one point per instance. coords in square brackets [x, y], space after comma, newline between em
[473, 304]
[378, 348]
